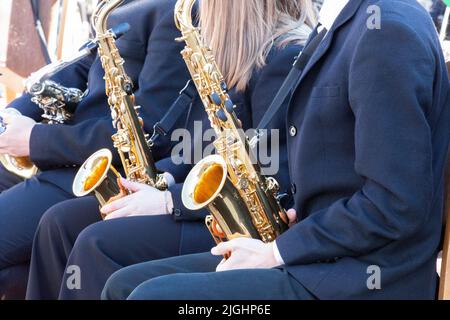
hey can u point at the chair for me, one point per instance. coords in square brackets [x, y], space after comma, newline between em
[444, 285]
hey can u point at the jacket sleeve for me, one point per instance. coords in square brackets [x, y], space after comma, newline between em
[159, 83]
[180, 212]
[73, 76]
[390, 94]
[59, 146]
[163, 76]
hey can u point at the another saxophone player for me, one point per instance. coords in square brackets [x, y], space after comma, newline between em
[368, 138]
[153, 63]
[145, 226]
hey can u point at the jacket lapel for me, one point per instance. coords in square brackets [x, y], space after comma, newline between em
[347, 13]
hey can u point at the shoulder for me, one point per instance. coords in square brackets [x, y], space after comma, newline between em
[267, 80]
[146, 17]
[395, 26]
[283, 54]
[145, 13]
[402, 15]
[145, 7]
[278, 63]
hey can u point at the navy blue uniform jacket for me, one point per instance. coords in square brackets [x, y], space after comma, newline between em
[373, 125]
[153, 62]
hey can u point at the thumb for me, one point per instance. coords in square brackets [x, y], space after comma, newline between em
[292, 216]
[222, 248]
[131, 186]
[122, 213]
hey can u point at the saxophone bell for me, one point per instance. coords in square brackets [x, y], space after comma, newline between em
[208, 186]
[20, 166]
[98, 175]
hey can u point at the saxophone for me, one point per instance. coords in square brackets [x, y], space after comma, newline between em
[54, 100]
[133, 145]
[241, 201]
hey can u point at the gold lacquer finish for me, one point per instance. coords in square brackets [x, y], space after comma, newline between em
[130, 140]
[99, 176]
[242, 202]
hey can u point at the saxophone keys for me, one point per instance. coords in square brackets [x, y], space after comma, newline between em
[229, 105]
[123, 108]
[128, 88]
[224, 86]
[209, 69]
[196, 58]
[221, 115]
[243, 184]
[215, 98]
[216, 77]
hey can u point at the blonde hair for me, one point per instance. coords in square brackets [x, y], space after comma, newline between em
[242, 32]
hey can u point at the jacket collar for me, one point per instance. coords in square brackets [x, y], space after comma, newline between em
[347, 13]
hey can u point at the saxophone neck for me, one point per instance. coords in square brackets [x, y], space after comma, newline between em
[183, 15]
[101, 14]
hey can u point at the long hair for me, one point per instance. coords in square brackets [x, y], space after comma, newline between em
[242, 32]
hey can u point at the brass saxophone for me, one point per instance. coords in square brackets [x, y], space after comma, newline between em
[97, 174]
[241, 201]
[20, 166]
[54, 100]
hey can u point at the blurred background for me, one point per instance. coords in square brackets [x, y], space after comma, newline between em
[36, 32]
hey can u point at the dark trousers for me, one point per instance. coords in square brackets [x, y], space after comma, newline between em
[55, 236]
[22, 204]
[7, 179]
[193, 277]
[70, 234]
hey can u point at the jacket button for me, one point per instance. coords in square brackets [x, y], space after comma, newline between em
[292, 131]
[177, 212]
[293, 189]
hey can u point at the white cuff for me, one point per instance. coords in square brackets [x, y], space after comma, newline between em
[12, 111]
[169, 202]
[277, 254]
[169, 179]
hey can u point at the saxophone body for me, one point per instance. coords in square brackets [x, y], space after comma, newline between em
[241, 201]
[130, 140]
[55, 100]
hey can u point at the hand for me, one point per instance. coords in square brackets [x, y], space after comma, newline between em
[292, 216]
[245, 253]
[144, 200]
[15, 140]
